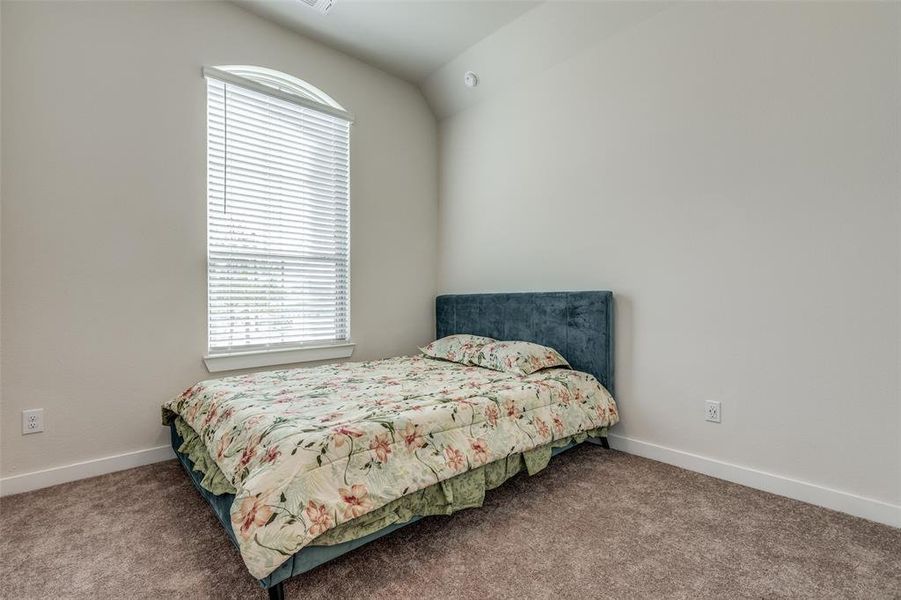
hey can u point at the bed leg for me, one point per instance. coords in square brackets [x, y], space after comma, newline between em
[277, 592]
[604, 443]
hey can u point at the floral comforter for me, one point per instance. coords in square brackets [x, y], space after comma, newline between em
[308, 449]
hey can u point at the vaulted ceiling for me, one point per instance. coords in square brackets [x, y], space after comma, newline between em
[410, 38]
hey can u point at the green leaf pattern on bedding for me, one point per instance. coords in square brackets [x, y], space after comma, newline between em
[466, 490]
[309, 449]
[192, 445]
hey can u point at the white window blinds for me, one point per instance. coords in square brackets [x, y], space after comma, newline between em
[278, 220]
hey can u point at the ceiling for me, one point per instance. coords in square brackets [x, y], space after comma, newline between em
[410, 38]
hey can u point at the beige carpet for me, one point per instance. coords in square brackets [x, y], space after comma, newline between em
[596, 524]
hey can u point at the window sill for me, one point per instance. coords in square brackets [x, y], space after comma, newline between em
[216, 363]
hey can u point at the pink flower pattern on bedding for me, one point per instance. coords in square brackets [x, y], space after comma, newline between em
[308, 449]
[461, 347]
[520, 358]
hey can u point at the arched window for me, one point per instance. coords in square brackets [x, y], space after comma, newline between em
[278, 231]
[282, 82]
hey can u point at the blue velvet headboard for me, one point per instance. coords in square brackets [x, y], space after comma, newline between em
[579, 325]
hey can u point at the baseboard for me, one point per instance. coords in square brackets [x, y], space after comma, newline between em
[26, 482]
[859, 506]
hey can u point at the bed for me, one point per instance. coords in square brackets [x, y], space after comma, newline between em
[301, 466]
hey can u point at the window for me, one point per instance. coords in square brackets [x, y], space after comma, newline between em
[278, 207]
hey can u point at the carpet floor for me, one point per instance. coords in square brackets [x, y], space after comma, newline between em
[595, 524]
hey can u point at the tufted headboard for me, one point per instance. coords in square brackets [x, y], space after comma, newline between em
[579, 325]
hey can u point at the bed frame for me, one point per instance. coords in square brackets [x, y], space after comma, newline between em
[578, 324]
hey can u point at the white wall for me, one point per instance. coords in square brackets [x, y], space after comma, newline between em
[103, 216]
[731, 171]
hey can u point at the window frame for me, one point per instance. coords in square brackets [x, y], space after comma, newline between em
[290, 89]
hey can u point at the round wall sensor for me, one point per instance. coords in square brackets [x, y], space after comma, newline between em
[471, 79]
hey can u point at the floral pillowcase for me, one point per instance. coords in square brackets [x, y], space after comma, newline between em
[460, 348]
[520, 358]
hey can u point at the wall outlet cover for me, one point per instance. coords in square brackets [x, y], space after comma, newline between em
[712, 411]
[32, 421]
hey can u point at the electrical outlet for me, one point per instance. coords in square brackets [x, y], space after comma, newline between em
[32, 421]
[712, 411]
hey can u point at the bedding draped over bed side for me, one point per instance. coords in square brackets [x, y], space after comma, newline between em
[466, 490]
[309, 449]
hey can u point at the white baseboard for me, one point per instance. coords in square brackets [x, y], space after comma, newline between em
[859, 506]
[26, 482]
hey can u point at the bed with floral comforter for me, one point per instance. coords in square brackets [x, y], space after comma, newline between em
[309, 449]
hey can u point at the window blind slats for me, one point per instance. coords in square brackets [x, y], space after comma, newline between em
[242, 186]
[259, 215]
[279, 234]
[246, 105]
[241, 149]
[276, 205]
[278, 222]
[234, 260]
[248, 127]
